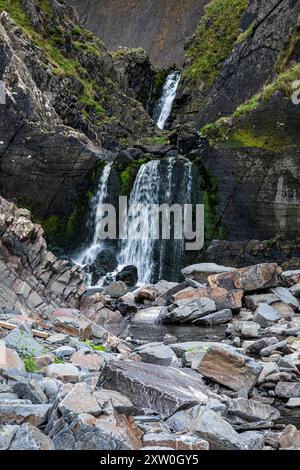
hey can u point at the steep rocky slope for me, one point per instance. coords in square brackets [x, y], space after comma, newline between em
[219, 74]
[159, 26]
[65, 110]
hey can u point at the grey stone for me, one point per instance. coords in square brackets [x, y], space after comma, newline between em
[251, 410]
[295, 290]
[30, 390]
[28, 437]
[50, 388]
[58, 338]
[253, 440]
[244, 329]
[266, 316]
[288, 389]
[225, 365]
[291, 278]
[116, 289]
[216, 318]
[147, 315]
[218, 432]
[18, 413]
[7, 434]
[177, 442]
[64, 351]
[293, 403]
[157, 353]
[253, 301]
[187, 311]
[63, 372]
[161, 389]
[201, 271]
[24, 343]
[286, 297]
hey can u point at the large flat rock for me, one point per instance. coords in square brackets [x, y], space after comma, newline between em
[225, 365]
[251, 278]
[161, 389]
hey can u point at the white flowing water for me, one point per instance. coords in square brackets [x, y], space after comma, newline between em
[89, 254]
[168, 196]
[165, 103]
[138, 250]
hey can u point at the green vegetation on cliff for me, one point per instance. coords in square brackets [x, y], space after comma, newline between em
[214, 39]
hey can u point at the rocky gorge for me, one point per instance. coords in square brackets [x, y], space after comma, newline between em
[142, 345]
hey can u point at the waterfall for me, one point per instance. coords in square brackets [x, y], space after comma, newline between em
[168, 200]
[165, 103]
[89, 254]
[139, 252]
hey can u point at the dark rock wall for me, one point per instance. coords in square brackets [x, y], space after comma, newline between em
[159, 26]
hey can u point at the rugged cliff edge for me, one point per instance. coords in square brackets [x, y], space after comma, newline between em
[161, 27]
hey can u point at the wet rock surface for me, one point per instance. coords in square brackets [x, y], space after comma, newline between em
[67, 381]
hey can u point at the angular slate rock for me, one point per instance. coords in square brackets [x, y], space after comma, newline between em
[161, 389]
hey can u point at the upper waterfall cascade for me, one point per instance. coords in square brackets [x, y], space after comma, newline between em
[165, 103]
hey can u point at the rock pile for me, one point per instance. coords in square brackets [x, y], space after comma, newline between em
[72, 377]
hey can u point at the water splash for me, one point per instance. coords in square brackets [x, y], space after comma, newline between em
[165, 103]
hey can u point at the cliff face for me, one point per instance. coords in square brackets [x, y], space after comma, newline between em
[159, 26]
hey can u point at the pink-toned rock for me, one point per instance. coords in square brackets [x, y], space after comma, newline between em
[10, 359]
[222, 297]
[73, 326]
[88, 361]
[252, 278]
[290, 438]
[145, 293]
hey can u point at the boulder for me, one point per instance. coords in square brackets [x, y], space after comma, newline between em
[63, 372]
[176, 442]
[64, 351]
[286, 297]
[290, 438]
[266, 316]
[244, 329]
[253, 301]
[23, 343]
[116, 289]
[10, 359]
[157, 353]
[163, 286]
[288, 389]
[251, 410]
[218, 432]
[201, 271]
[187, 311]
[295, 290]
[30, 390]
[290, 278]
[225, 365]
[87, 360]
[147, 315]
[252, 278]
[128, 275]
[84, 419]
[147, 293]
[73, 326]
[161, 389]
[222, 297]
[216, 318]
[23, 411]
[24, 437]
